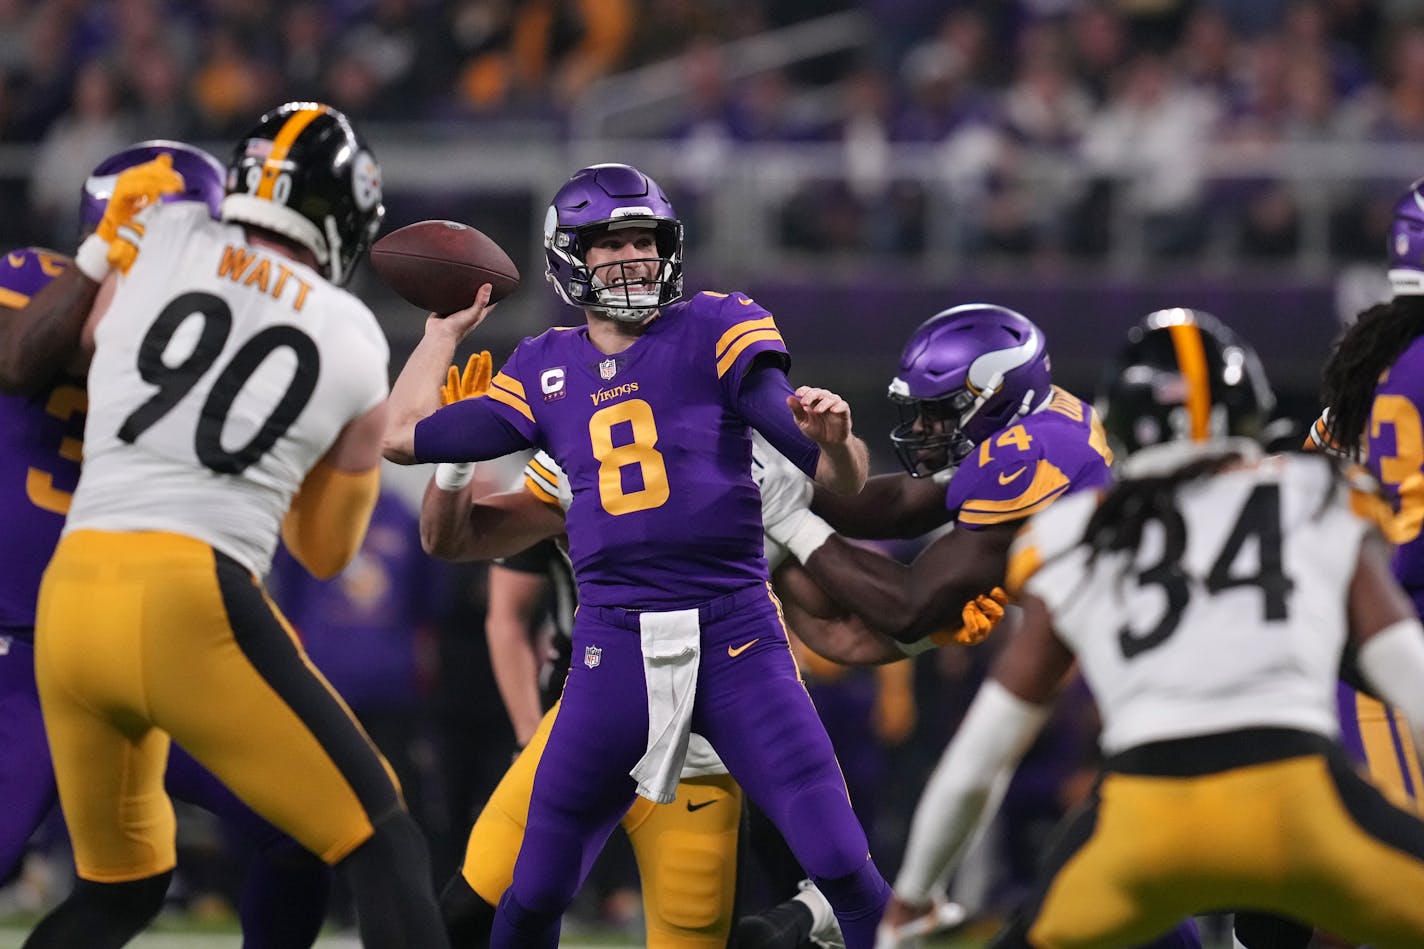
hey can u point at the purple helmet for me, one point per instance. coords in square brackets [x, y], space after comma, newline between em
[965, 374]
[203, 177]
[1406, 243]
[594, 200]
[27, 271]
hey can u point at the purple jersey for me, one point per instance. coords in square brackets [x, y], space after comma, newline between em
[664, 513]
[1394, 452]
[44, 434]
[1024, 468]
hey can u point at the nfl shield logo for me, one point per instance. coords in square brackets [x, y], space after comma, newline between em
[592, 656]
[608, 368]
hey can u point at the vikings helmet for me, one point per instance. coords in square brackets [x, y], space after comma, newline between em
[594, 200]
[304, 172]
[27, 271]
[1406, 243]
[1183, 376]
[202, 178]
[965, 374]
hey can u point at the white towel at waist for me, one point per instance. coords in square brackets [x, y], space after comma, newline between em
[671, 656]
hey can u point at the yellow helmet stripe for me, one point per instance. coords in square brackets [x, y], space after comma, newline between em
[272, 166]
[1191, 357]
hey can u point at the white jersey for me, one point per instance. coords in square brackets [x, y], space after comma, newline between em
[222, 373]
[547, 480]
[1235, 621]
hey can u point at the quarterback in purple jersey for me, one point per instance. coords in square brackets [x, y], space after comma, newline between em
[42, 411]
[647, 408]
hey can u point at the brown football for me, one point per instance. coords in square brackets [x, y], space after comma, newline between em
[440, 265]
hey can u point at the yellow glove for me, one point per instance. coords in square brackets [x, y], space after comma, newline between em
[475, 381]
[135, 189]
[114, 243]
[981, 615]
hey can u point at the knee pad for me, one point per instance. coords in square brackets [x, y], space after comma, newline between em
[694, 881]
[687, 859]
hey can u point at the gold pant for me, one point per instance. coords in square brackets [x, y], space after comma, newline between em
[1303, 836]
[686, 850]
[143, 636]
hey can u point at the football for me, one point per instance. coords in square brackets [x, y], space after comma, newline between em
[439, 266]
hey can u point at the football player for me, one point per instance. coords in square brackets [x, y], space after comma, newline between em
[235, 390]
[1224, 782]
[283, 901]
[987, 441]
[648, 408]
[688, 902]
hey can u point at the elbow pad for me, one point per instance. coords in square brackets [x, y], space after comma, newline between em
[327, 520]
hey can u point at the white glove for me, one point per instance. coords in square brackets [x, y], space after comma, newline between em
[786, 505]
[784, 487]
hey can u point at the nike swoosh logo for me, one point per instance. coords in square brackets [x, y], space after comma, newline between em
[16, 259]
[697, 807]
[735, 651]
[744, 301]
[1010, 478]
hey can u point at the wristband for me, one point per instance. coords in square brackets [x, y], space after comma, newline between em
[803, 534]
[452, 476]
[92, 258]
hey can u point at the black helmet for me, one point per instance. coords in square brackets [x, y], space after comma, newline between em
[304, 173]
[1183, 375]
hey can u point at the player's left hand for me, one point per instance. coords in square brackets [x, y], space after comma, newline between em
[981, 615]
[472, 383]
[821, 414]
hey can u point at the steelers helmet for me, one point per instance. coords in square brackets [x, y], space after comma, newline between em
[304, 172]
[1183, 376]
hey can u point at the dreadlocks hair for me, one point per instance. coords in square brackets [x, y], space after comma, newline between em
[1118, 522]
[1362, 354]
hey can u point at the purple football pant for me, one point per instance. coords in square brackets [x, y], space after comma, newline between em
[27, 787]
[284, 896]
[750, 705]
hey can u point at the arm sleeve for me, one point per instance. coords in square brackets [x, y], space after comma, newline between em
[762, 402]
[468, 430]
[967, 785]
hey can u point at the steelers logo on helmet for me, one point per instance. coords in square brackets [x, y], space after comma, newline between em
[366, 181]
[303, 172]
[1183, 376]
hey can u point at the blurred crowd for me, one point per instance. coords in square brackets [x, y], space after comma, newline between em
[1045, 120]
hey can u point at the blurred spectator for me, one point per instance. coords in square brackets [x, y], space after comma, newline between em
[1306, 33]
[1208, 52]
[231, 85]
[1153, 134]
[161, 105]
[306, 35]
[1099, 43]
[89, 132]
[540, 49]
[403, 51]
